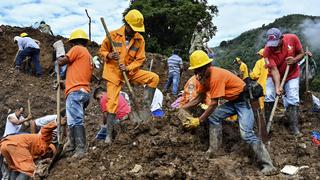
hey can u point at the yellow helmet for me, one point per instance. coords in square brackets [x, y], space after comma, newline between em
[260, 52]
[135, 19]
[198, 59]
[23, 34]
[78, 34]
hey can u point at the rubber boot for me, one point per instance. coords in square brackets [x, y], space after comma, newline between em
[145, 113]
[22, 176]
[111, 117]
[80, 141]
[263, 156]
[70, 145]
[267, 110]
[215, 140]
[293, 114]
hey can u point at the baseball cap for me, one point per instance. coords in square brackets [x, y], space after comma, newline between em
[273, 37]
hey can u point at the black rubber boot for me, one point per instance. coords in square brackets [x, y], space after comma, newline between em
[263, 156]
[80, 141]
[145, 113]
[267, 110]
[110, 121]
[215, 139]
[293, 115]
[70, 145]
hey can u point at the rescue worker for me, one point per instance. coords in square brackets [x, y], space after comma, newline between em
[78, 78]
[45, 28]
[128, 56]
[15, 121]
[122, 112]
[260, 74]
[27, 47]
[243, 69]
[199, 38]
[282, 50]
[221, 83]
[21, 150]
[175, 66]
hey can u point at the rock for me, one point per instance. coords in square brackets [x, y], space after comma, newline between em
[136, 168]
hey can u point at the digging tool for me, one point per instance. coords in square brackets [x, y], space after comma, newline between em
[135, 114]
[307, 71]
[277, 99]
[29, 107]
[60, 144]
[151, 63]
[260, 119]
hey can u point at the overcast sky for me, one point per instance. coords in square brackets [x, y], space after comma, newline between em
[235, 16]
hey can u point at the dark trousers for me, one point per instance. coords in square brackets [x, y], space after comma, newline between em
[34, 54]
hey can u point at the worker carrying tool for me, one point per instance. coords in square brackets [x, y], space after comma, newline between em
[27, 47]
[21, 150]
[224, 84]
[199, 38]
[130, 52]
[15, 121]
[243, 69]
[78, 78]
[282, 50]
[260, 74]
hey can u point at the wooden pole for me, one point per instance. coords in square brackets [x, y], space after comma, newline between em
[89, 24]
[307, 70]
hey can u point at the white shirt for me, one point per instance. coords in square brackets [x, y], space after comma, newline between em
[157, 100]
[45, 120]
[27, 42]
[10, 127]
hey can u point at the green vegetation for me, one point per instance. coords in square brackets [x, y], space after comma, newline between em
[169, 24]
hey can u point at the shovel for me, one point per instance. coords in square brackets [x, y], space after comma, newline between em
[135, 112]
[60, 144]
[277, 99]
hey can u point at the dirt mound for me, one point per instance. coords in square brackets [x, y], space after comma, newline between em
[156, 149]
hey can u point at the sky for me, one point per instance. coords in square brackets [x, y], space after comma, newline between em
[235, 16]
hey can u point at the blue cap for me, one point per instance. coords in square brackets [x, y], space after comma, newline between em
[273, 37]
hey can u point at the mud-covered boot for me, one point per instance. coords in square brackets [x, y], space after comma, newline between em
[110, 121]
[145, 113]
[263, 156]
[293, 114]
[215, 133]
[80, 140]
[70, 145]
[267, 110]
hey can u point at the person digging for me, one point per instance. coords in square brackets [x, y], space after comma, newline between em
[130, 52]
[223, 84]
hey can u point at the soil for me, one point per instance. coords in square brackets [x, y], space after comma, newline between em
[158, 148]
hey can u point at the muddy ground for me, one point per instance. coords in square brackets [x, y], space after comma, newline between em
[158, 148]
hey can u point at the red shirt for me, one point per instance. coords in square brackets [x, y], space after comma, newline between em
[290, 47]
[123, 108]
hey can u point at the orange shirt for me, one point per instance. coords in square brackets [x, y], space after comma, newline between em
[222, 84]
[191, 90]
[132, 55]
[79, 70]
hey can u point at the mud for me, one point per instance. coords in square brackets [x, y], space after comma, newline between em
[161, 147]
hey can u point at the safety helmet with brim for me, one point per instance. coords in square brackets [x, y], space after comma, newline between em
[135, 19]
[199, 59]
[78, 34]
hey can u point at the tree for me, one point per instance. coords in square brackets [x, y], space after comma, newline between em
[169, 24]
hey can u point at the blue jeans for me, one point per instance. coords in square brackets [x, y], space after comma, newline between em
[174, 78]
[63, 70]
[245, 118]
[34, 54]
[77, 101]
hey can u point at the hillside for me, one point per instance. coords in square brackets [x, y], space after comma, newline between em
[162, 148]
[248, 43]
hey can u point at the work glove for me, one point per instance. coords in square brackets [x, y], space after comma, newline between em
[191, 123]
[204, 106]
